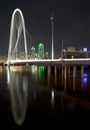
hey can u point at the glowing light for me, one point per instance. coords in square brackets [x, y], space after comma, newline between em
[72, 57]
[85, 79]
[18, 94]
[85, 49]
[85, 75]
[34, 69]
[18, 26]
[52, 94]
[52, 98]
[50, 61]
[40, 70]
[8, 76]
[41, 51]
[1, 69]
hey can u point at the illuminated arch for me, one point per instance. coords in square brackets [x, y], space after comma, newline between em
[17, 28]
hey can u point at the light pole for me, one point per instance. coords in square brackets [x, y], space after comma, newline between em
[62, 50]
[51, 18]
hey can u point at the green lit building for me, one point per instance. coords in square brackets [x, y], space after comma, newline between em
[40, 51]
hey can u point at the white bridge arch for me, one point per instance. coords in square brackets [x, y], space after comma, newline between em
[17, 35]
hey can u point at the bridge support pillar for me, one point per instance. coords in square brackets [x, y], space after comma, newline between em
[69, 70]
[65, 72]
[55, 68]
[27, 66]
[82, 71]
[82, 85]
[73, 84]
[62, 70]
[49, 72]
[55, 71]
[74, 71]
[65, 81]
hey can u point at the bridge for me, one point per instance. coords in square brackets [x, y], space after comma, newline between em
[18, 41]
[46, 62]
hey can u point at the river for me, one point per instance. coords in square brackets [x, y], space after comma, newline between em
[33, 98]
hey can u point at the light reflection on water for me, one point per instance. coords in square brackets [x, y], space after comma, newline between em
[85, 79]
[18, 87]
[19, 82]
[52, 98]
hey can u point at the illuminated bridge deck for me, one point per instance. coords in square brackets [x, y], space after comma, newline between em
[46, 62]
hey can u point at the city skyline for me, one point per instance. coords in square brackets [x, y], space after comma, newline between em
[71, 23]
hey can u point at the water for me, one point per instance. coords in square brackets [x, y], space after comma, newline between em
[31, 97]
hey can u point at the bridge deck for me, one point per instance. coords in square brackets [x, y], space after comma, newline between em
[46, 62]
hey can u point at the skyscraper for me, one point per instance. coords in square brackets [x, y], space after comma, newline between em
[40, 51]
[32, 53]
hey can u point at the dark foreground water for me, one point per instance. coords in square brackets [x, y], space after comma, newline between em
[33, 98]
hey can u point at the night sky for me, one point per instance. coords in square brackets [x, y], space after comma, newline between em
[71, 22]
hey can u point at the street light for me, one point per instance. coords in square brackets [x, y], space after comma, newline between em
[51, 18]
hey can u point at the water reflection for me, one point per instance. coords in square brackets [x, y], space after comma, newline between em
[33, 69]
[41, 71]
[37, 71]
[85, 79]
[74, 84]
[65, 85]
[52, 99]
[18, 86]
[59, 98]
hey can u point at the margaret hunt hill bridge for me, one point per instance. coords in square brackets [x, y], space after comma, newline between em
[18, 44]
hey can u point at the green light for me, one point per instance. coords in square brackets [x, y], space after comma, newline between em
[41, 45]
[40, 71]
[41, 51]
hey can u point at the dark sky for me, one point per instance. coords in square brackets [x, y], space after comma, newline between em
[71, 22]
